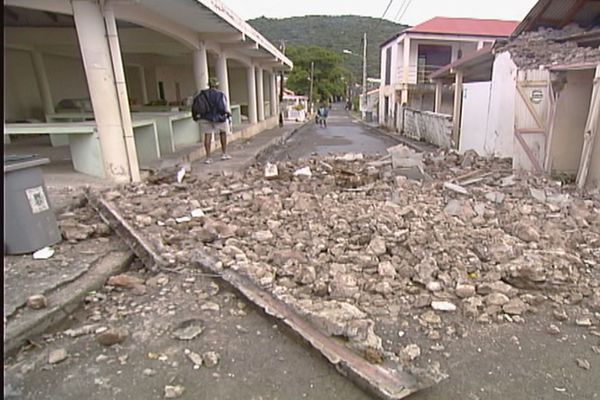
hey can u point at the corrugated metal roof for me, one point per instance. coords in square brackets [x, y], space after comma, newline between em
[466, 26]
[559, 13]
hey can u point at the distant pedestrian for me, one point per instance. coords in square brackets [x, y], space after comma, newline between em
[322, 114]
[210, 109]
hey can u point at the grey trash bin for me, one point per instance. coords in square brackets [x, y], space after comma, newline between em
[29, 222]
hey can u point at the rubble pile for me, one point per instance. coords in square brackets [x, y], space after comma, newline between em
[547, 47]
[355, 245]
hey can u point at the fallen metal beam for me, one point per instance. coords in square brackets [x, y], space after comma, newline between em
[385, 383]
[139, 245]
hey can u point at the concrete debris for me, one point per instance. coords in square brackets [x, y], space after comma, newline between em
[128, 282]
[410, 352]
[305, 171]
[189, 329]
[455, 188]
[271, 171]
[352, 262]
[211, 359]
[174, 392]
[37, 302]
[350, 157]
[112, 336]
[57, 356]
[43, 254]
[547, 47]
[583, 364]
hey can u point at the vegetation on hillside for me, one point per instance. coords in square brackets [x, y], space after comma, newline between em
[334, 33]
[330, 76]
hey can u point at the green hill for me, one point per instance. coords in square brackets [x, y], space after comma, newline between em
[335, 33]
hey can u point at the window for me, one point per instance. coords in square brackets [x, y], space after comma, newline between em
[388, 65]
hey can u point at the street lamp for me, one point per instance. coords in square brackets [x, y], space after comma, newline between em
[364, 88]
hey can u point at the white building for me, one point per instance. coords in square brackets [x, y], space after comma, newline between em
[409, 57]
[135, 63]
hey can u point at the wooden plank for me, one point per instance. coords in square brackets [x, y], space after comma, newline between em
[458, 86]
[527, 150]
[551, 125]
[591, 132]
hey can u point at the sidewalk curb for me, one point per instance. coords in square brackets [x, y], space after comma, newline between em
[399, 139]
[64, 301]
[278, 141]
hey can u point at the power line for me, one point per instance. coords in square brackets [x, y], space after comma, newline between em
[404, 12]
[385, 12]
[399, 10]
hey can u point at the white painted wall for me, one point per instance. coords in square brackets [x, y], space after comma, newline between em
[571, 116]
[66, 77]
[475, 108]
[501, 117]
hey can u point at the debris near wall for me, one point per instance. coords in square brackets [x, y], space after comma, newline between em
[545, 47]
[361, 250]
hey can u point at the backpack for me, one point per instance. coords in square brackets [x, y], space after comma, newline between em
[209, 105]
[200, 106]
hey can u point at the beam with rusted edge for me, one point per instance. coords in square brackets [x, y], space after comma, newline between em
[383, 382]
[140, 247]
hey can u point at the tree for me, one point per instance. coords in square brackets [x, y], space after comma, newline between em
[330, 76]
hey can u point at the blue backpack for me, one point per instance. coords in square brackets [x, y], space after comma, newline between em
[209, 105]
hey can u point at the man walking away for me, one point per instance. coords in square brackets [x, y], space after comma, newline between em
[323, 113]
[210, 108]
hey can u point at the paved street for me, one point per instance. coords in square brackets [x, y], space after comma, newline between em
[342, 135]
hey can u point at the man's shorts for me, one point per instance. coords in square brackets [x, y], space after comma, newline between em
[214, 127]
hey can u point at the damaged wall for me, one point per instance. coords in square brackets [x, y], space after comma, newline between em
[571, 115]
[428, 126]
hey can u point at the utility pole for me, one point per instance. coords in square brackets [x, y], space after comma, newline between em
[312, 77]
[364, 88]
[281, 88]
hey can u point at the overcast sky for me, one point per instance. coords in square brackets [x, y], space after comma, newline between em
[417, 11]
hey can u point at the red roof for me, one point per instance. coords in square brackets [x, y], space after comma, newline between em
[466, 26]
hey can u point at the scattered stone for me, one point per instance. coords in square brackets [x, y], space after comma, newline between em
[189, 329]
[443, 306]
[431, 318]
[514, 307]
[149, 372]
[373, 356]
[583, 322]
[129, 282]
[464, 291]
[57, 356]
[112, 336]
[158, 280]
[377, 246]
[434, 286]
[37, 302]
[526, 232]
[173, 392]
[496, 299]
[271, 171]
[211, 359]
[386, 269]
[495, 197]
[560, 315]
[210, 306]
[455, 188]
[410, 352]
[553, 330]
[262, 236]
[195, 358]
[583, 364]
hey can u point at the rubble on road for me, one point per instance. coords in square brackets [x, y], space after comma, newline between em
[356, 245]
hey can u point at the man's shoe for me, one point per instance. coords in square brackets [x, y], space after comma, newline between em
[225, 157]
[208, 161]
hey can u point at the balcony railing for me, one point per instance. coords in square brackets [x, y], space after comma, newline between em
[417, 73]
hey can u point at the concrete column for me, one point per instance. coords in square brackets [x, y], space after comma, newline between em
[201, 68]
[97, 64]
[458, 86]
[274, 98]
[223, 76]
[260, 93]
[143, 85]
[42, 81]
[405, 70]
[438, 96]
[251, 81]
